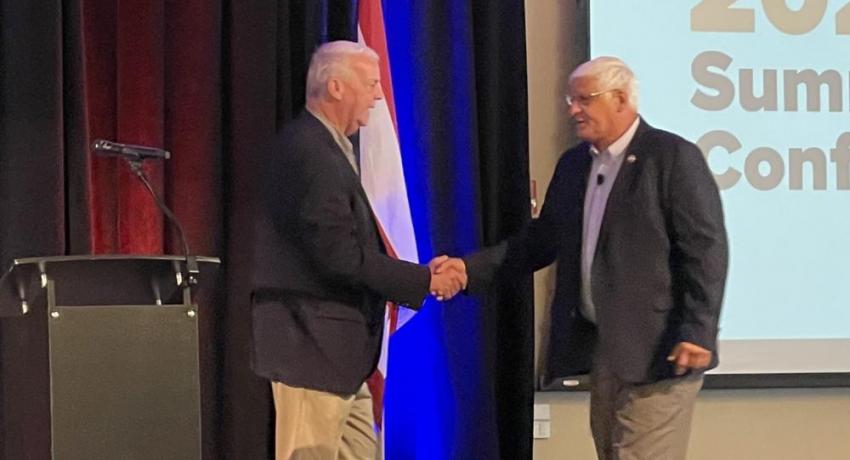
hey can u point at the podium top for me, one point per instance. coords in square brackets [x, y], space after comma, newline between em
[99, 280]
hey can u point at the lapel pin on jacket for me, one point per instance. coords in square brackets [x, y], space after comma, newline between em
[631, 158]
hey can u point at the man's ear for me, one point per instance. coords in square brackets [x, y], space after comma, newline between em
[334, 87]
[622, 99]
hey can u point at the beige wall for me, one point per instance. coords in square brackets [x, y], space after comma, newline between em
[797, 424]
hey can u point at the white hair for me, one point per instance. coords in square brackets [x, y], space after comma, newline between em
[332, 60]
[610, 73]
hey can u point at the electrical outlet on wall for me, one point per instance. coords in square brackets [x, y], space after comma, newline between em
[542, 427]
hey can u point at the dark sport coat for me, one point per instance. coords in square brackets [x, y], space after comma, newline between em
[659, 269]
[321, 275]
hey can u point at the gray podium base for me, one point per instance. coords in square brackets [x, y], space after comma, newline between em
[124, 383]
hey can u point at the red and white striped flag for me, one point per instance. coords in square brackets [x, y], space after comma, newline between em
[382, 175]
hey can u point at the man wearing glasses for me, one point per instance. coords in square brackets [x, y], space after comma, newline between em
[633, 218]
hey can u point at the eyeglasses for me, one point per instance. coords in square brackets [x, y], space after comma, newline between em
[585, 99]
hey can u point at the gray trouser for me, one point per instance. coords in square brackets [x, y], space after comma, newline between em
[641, 422]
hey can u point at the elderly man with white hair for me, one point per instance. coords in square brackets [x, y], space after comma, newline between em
[633, 218]
[321, 274]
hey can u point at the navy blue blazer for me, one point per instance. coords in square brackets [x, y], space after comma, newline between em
[660, 264]
[321, 275]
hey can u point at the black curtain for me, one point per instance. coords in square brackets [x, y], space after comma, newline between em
[36, 140]
[267, 49]
[502, 90]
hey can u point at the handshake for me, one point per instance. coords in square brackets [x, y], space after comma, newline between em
[448, 277]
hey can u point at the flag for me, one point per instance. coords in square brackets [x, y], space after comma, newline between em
[382, 176]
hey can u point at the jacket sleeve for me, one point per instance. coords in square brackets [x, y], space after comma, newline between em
[327, 227]
[699, 245]
[533, 248]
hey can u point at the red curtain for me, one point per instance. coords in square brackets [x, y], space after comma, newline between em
[153, 77]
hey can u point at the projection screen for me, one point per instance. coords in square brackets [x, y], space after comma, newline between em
[763, 87]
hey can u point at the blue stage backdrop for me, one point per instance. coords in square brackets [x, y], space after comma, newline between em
[460, 378]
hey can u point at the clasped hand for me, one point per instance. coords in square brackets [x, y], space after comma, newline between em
[448, 277]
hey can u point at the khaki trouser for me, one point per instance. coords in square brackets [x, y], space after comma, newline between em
[641, 422]
[315, 425]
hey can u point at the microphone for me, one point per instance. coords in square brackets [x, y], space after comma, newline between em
[131, 152]
[135, 154]
[600, 179]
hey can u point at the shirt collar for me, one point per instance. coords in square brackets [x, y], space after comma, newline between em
[339, 137]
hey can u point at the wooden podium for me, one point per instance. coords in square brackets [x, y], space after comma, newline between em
[123, 351]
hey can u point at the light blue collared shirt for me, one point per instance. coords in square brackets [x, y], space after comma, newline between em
[603, 172]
